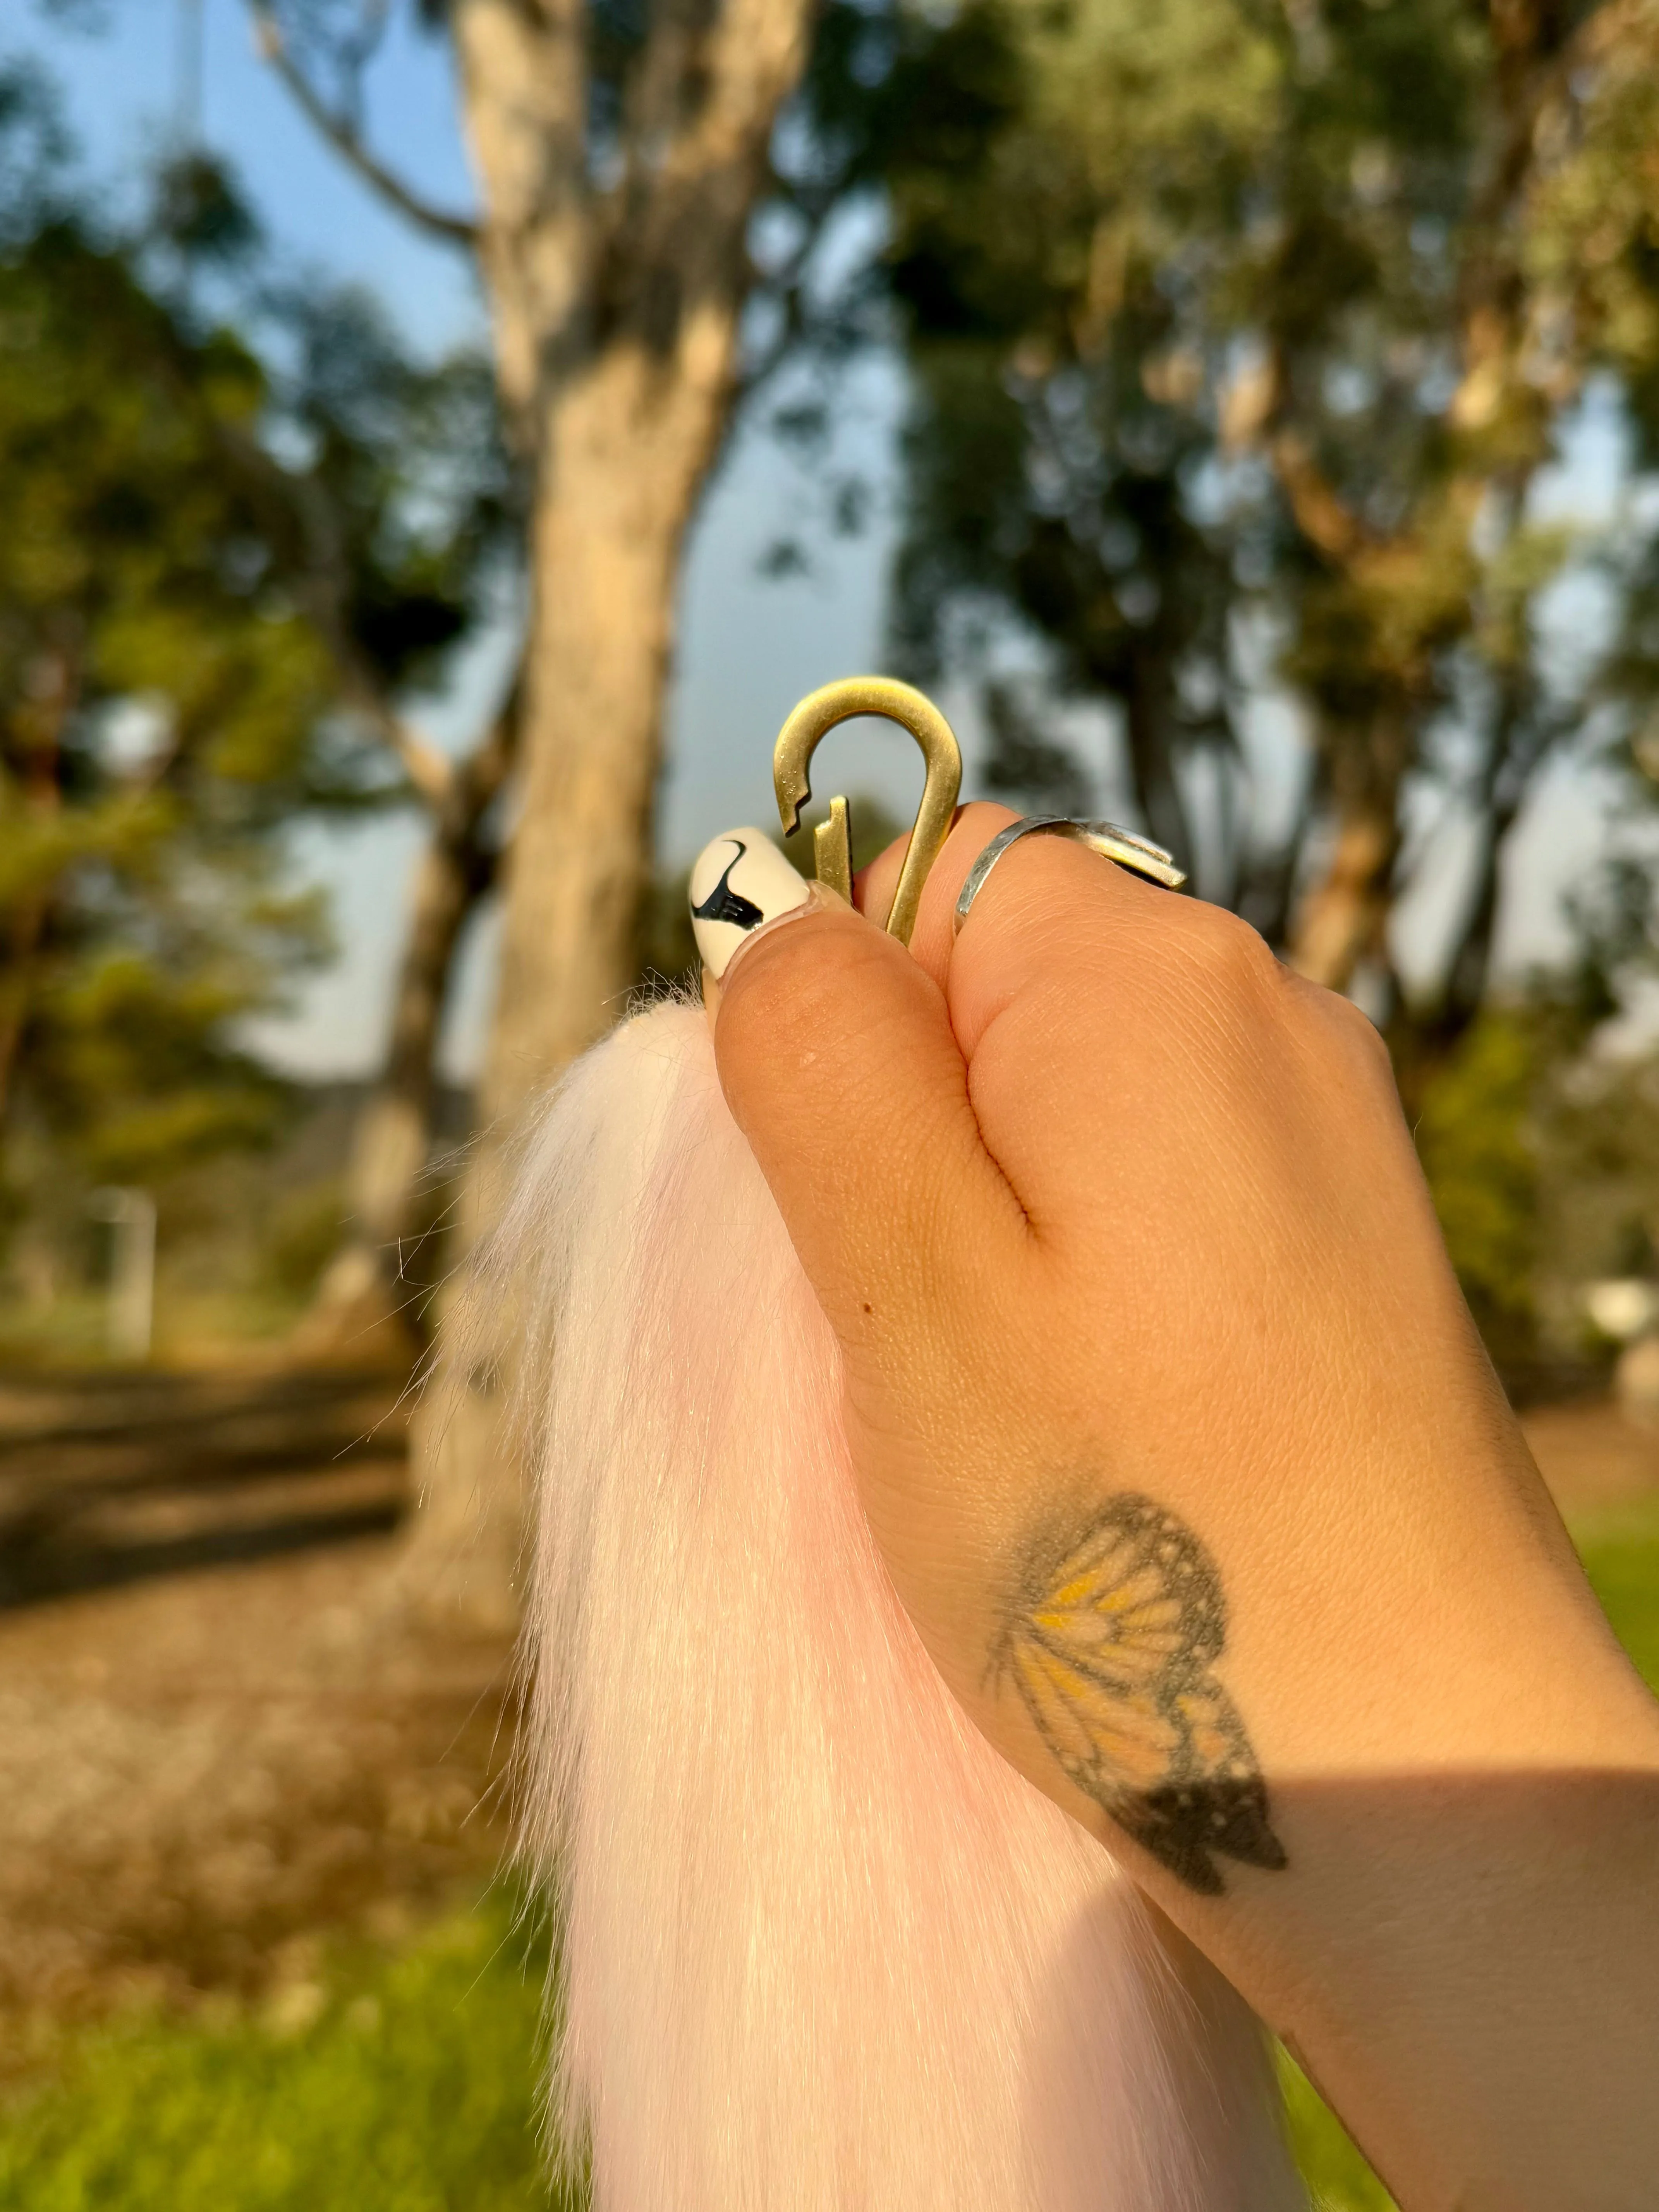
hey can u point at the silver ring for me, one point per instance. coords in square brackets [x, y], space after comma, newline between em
[1139, 855]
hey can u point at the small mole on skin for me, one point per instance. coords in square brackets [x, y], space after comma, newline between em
[869, 1308]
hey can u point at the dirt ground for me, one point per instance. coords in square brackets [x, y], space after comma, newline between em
[1591, 1455]
[227, 1744]
[202, 1770]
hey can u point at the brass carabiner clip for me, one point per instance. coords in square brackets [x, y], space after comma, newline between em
[832, 841]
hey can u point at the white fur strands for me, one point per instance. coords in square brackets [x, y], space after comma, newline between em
[823, 1951]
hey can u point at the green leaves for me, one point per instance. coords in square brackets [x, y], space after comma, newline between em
[1241, 342]
[1477, 1137]
[219, 562]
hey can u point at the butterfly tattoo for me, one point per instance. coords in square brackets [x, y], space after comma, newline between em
[1109, 1640]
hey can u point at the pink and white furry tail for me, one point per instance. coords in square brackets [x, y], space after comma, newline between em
[822, 1950]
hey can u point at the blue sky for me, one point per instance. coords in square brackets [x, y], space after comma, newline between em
[748, 646]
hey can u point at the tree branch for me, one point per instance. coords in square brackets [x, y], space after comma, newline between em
[1324, 519]
[478, 778]
[454, 229]
[1254, 412]
[784, 286]
[298, 508]
[789, 337]
[430, 771]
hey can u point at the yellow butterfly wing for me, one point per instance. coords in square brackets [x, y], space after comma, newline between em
[1107, 1741]
[1109, 1644]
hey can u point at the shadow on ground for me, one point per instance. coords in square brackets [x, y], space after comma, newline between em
[108, 1480]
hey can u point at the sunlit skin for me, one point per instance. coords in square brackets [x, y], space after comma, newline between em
[1100, 1199]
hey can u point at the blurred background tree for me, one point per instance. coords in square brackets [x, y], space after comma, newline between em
[1239, 340]
[223, 549]
[1058, 183]
[1243, 345]
[621, 158]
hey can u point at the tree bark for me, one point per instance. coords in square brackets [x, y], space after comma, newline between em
[627, 457]
[38, 755]
[1339, 920]
[616, 314]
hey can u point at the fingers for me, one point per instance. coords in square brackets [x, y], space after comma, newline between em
[836, 1056]
[1048, 896]
[1090, 1007]
[1078, 1007]
[930, 944]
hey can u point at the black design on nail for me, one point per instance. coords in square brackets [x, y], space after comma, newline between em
[724, 904]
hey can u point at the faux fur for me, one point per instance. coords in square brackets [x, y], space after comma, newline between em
[822, 1950]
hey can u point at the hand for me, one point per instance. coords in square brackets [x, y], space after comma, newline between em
[1187, 1463]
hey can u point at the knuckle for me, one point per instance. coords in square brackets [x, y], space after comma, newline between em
[1336, 1024]
[1363, 1037]
[1232, 956]
[980, 819]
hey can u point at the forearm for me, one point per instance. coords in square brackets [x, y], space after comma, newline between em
[1434, 1805]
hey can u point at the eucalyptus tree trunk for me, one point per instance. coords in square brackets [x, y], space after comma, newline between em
[629, 447]
[615, 288]
[1340, 918]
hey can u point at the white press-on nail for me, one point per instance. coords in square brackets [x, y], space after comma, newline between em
[738, 882]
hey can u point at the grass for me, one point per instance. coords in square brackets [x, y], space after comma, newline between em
[405, 2084]
[408, 2083]
[1620, 1551]
[1339, 2179]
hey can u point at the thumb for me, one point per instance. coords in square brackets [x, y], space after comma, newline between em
[837, 1058]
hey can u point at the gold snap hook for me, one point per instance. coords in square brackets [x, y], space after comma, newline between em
[799, 740]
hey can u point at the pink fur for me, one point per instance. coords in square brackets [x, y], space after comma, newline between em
[823, 1951]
